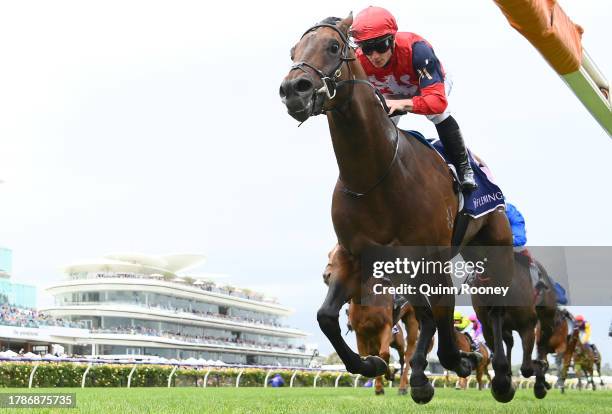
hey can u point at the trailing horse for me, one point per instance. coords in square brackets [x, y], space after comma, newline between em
[393, 191]
[373, 325]
[537, 310]
[585, 358]
[463, 343]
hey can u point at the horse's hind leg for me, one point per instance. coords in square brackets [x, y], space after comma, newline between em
[421, 389]
[501, 386]
[598, 365]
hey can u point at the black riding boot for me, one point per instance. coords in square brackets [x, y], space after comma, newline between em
[450, 135]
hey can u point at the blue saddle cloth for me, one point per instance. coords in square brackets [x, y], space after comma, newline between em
[487, 197]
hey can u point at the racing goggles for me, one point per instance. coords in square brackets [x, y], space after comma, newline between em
[380, 45]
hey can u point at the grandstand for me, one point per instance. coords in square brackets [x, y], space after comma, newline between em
[142, 306]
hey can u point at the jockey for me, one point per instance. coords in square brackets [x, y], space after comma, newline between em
[585, 332]
[519, 240]
[517, 224]
[405, 69]
[461, 324]
[476, 329]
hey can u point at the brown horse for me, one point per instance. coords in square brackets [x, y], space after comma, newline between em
[551, 331]
[391, 191]
[538, 320]
[563, 344]
[373, 325]
[584, 357]
[482, 369]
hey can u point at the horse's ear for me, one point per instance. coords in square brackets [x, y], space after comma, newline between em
[345, 24]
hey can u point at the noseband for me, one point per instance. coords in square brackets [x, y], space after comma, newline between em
[330, 85]
[330, 80]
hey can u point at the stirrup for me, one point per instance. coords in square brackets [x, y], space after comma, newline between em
[468, 183]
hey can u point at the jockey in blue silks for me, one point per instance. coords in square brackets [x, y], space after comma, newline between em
[517, 223]
[519, 240]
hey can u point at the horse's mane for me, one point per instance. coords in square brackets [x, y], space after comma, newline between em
[330, 20]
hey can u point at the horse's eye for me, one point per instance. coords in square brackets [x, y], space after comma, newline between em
[334, 48]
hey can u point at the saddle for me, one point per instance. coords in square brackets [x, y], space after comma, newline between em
[475, 204]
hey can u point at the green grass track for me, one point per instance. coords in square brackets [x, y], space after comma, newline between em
[309, 400]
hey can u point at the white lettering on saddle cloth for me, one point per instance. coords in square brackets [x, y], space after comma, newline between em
[488, 198]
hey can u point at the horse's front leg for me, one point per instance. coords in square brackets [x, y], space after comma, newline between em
[541, 387]
[385, 337]
[421, 389]
[528, 341]
[328, 318]
[412, 333]
[501, 386]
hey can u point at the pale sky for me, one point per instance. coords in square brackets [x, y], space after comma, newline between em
[156, 127]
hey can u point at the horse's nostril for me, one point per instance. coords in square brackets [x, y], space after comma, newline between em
[303, 85]
[281, 92]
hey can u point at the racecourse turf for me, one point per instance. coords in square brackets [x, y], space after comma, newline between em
[309, 400]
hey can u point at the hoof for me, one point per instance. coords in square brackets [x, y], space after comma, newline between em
[502, 389]
[539, 390]
[527, 372]
[374, 366]
[464, 368]
[422, 394]
[402, 391]
[468, 362]
[380, 392]
[547, 385]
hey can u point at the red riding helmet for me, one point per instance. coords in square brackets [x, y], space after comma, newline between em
[371, 23]
[579, 318]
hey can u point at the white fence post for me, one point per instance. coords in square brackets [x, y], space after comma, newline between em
[292, 378]
[206, 377]
[32, 375]
[266, 379]
[238, 378]
[314, 384]
[129, 384]
[85, 375]
[356, 380]
[171, 374]
[338, 380]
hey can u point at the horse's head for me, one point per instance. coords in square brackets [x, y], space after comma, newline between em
[342, 268]
[318, 61]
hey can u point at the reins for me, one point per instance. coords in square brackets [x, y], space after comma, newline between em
[331, 83]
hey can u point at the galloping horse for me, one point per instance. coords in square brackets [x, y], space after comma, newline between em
[482, 369]
[538, 311]
[562, 344]
[392, 191]
[373, 325]
[583, 357]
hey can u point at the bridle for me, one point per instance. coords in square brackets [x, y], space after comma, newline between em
[330, 80]
[331, 83]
